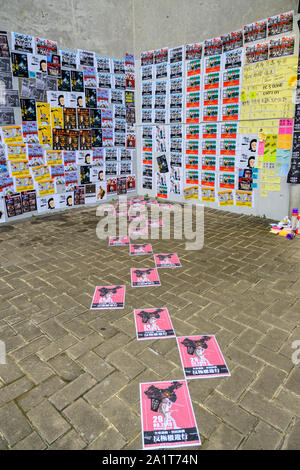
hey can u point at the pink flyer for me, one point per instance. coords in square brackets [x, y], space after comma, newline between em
[167, 415]
[167, 260]
[108, 297]
[201, 357]
[119, 241]
[153, 323]
[144, 277]
[141, 249]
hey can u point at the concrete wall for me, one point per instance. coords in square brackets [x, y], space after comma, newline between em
[161, 23]
[102, 26]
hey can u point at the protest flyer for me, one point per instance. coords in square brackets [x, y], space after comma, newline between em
[144, 277]
[89, 77]
[167, 415]
[4, 47]
[193, 51]
[68, 59]
[108, 297]
[57, 118]
[53, 65]
[64, 82]
[28, 109]
[140, 249]
[86, 58]
[201, 357]
[208, 194]
[77, 81]
[226, 198]
[244, 198]
[119, 241]
[232, 41]
[153, 323]
[19, 65]
[280, 24]
[167, 260]
[70, 118]
[45, 46]
[22, 43]
[103, 64]
[255, 31]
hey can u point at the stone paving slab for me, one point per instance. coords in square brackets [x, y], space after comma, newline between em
[72, 375]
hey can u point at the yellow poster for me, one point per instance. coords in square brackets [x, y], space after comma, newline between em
[46, 187]
[54, 157]
[57, 118]
[19, 169]
[43, 114]
[226, 198]
[45, 135]
[24, 183]
[208, 194]
[191, 193]
[16, 152]
[12, 134]
[244, 198]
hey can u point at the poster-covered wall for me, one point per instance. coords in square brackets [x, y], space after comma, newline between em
[67, 126]
[216, 118]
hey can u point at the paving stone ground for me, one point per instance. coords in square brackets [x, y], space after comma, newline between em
[72, 377]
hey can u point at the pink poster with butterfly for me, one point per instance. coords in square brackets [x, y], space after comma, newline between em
[140, 249]
[153, 323]
[108, 297]
[201, 357]
[146, 277]
[119, 241]
[167, 415]
[167, 260]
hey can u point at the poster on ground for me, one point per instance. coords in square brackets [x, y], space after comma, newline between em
[167, 415]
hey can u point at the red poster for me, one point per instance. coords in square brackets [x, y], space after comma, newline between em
[167, 415]
[153, 323]
[108, 297]
[169, 260]
[144, 277]
[141, 249]
[201, 357]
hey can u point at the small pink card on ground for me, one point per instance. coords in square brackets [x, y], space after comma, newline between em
[119, 241]
[153, 323]
[167, 415]
[201, 357]
[144, 277]
[141, 249]
[167, 260]
[108, 297]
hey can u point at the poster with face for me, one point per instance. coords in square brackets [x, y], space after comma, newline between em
[108, 297]
[167, 260]
[153, 323]
[119, 241]
[201, 357]
[144, 277]
[247, 150]
[167, 415]
[141, 249]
